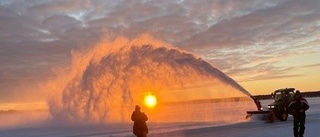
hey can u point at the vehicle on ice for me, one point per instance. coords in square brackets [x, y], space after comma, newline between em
[278, 109]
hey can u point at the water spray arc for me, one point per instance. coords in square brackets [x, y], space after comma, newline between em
[105, 82]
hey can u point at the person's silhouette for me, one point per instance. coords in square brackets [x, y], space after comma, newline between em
[298, 106]
[140, 128]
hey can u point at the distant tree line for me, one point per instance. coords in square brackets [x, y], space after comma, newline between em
[12, 111]
[304, 94]
[204, 101]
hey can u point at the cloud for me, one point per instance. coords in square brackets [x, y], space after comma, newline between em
[274, 24]
[312, 65]
[247, 36]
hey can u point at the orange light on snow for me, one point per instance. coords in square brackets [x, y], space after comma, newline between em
[150, 100]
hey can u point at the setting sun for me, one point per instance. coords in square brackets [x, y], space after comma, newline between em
[150, 100]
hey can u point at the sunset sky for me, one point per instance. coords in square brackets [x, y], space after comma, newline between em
[264, 45]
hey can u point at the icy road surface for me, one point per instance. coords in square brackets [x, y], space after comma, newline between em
[251, 128]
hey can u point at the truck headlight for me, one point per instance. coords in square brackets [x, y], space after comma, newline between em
[270, 106]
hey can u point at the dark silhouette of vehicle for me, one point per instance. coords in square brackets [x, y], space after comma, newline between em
[277, 109]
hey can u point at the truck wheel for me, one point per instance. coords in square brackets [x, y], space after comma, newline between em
[283, 116]
[270, 118]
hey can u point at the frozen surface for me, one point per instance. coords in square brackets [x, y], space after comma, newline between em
[251, 128]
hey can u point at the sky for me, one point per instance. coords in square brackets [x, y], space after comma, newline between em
[263, 45]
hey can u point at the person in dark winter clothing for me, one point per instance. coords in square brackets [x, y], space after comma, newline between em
[297, 107]
[140, 128]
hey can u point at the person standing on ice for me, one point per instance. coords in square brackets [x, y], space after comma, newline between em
[140, 128]
[298, 106]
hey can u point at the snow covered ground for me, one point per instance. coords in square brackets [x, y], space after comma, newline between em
[251, 128]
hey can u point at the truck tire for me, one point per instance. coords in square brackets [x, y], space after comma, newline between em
[270, 117]
[283, 116]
